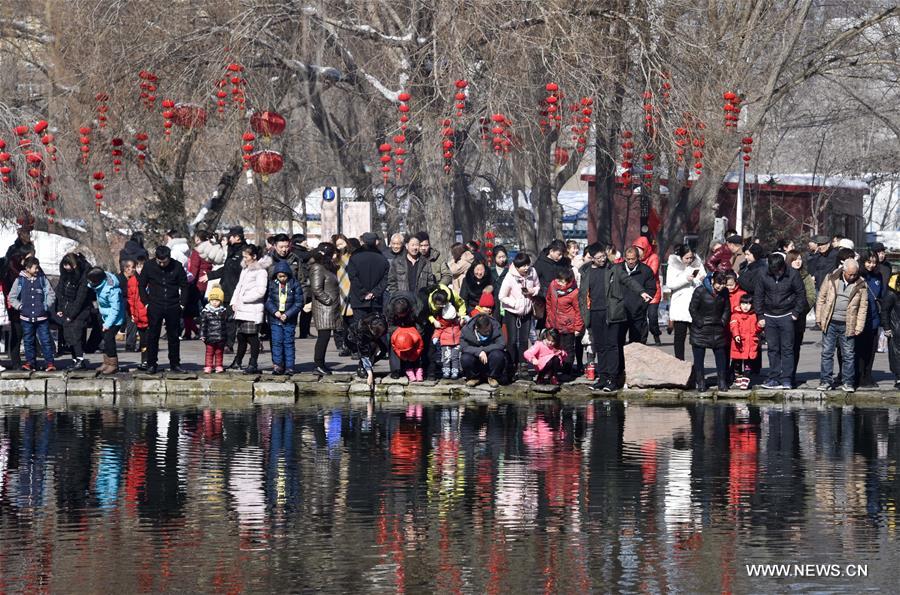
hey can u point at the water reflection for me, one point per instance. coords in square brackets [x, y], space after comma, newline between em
[492, 498]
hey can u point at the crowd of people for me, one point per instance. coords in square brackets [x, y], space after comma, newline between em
[550, 317]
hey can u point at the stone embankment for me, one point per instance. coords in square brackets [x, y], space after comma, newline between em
[86, 388]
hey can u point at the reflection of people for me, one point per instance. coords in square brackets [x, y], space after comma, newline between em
[246, 488]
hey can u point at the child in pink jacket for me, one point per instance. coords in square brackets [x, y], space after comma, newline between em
[546, 357]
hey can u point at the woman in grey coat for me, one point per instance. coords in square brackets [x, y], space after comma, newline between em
[326, 301]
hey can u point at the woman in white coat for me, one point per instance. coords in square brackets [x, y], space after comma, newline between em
[248, 304]
[684, 274]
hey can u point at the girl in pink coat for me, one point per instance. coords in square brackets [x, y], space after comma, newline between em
[546, 357]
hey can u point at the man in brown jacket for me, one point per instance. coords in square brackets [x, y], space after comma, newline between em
[841, 314]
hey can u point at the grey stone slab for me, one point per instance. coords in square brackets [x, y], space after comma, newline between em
[15, 375]
[56, 386]
[340, 378]
[274, 392]
[223, 385]
[388, 381]
[187, 387]
[101, 387]
[33, 400]
[321, 389]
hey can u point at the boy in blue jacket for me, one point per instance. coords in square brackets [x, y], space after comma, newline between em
[32, 296]
[112, 313]
[283, 304]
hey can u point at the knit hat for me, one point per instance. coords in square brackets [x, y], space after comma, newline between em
[216, 293]
[486, 300]
[448, 312]
[407, 343]
[846, 243]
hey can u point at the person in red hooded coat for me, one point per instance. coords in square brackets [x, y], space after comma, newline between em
[563, 313]
[650, 258]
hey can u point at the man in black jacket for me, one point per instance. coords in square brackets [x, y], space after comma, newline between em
[368, 272]
[230, 274]
[300, 249]
[164, 290]
[635, 304]
[411, 273]
[601, 301]
[549, 264]
[779, 300]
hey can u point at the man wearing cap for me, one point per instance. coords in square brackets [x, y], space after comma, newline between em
[229, 274]
[368, 273]
[727, 257]
[825, 261]
[163, 288]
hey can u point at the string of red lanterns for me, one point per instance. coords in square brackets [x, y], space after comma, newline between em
[247, 148]
[447, 145]
[5, 169]
[399, 150]
[732, 108]
[167, 114]
[552, 100]
[627, 156]
[140, 144]
[116, 152]
[746, 149]
[102, 108]
[98, 186]
[385, 150]
[238, 83]
[460, 96]
[148, 88]
[85, 141]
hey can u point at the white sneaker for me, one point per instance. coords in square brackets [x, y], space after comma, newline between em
[847, 388]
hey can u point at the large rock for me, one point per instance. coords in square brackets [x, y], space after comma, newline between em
[649, 367]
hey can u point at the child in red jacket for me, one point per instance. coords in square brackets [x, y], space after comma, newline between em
[447, 338]
[138, 312]
[563, 314]
[744, 341]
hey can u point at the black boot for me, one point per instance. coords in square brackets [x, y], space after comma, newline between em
[251, 368]
[235, 364]
[523, 372]
[723, 383]
[701, 385]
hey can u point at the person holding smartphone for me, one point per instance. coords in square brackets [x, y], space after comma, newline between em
[684, 274]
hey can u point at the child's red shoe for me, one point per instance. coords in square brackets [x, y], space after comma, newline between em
[51, 368]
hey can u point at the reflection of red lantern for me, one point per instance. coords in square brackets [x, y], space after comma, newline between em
[268, 124]
[266, 163]
[188, 115]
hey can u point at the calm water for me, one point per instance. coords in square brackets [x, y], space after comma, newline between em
[602, 497]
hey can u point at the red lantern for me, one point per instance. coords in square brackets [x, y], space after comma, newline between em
[551, 87]
[268, 124]
[461, 84]
[266, 163]
[404, 96]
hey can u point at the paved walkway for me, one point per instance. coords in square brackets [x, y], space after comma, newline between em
[192, 359]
